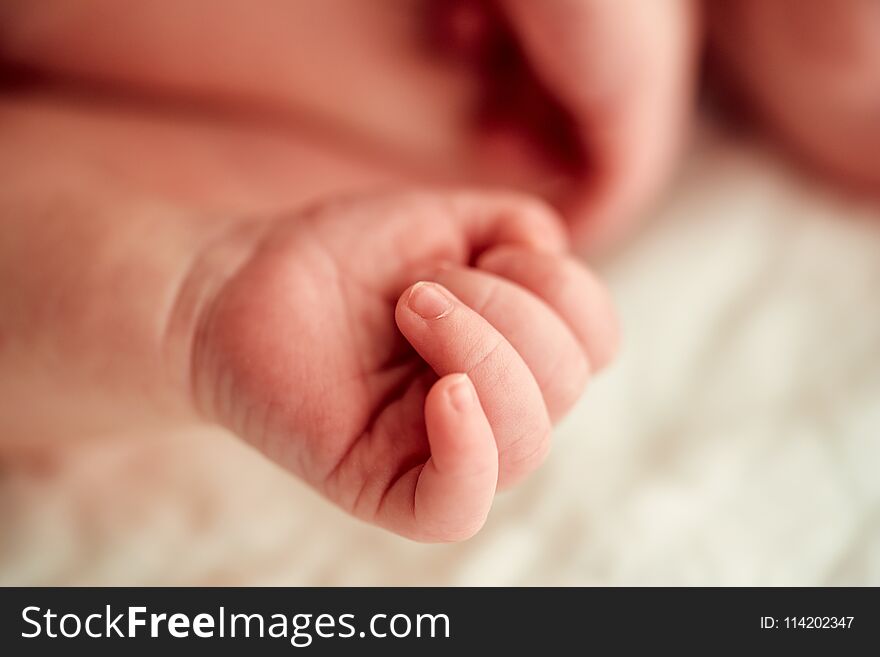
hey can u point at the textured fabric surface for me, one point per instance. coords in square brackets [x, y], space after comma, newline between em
[736, 440]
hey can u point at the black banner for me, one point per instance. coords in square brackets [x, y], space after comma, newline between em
[431, 621]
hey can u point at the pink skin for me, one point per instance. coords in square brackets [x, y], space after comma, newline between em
[105, 207]
[322, 352]
[402, 353]
[303, 332]
[811, 74]
[455, 110]
[623, 72]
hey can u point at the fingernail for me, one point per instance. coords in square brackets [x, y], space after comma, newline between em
[461, 393]
[427, 301]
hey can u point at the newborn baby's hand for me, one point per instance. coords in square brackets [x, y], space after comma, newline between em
[404, 354]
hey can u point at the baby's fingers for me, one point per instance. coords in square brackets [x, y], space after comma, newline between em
[452, 337]
[565, 285]
[549, 348]
[449, 497]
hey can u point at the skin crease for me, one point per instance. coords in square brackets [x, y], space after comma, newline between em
[295, 328]
[74, 328]
[292, 329]
[623, 71]
[300, 353]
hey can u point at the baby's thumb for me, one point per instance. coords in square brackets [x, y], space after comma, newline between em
[449, 498]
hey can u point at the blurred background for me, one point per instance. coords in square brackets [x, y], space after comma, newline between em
[720, 164]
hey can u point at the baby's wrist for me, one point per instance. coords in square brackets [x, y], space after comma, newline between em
[226, 247]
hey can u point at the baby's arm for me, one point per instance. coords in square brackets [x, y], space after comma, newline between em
[102, 209]
[90, 272]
